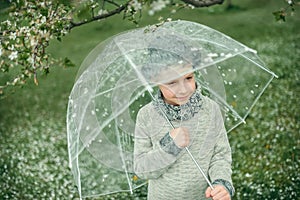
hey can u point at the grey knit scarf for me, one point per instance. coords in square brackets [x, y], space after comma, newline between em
[182, 112]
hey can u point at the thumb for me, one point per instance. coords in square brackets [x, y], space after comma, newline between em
[207, 192]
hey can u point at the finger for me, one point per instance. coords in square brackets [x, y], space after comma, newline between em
[220, 193]
[219, 196]
[217, 189]
[208, 192]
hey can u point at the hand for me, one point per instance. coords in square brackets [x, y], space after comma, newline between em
[218, 193]
[180, 136]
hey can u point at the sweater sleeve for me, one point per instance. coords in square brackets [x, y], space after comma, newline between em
[220, 165]
[150, 160]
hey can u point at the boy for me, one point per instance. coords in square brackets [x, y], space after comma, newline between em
[159, 154]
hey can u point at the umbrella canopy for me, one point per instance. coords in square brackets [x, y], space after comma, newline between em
[121, 74]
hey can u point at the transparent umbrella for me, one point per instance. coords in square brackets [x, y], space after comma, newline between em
[120, 76]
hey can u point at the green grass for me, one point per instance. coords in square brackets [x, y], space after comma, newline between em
[33, 162]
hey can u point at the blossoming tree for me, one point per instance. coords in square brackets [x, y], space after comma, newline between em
[30, 25]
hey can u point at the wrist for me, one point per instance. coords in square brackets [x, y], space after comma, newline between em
[168, 145]
[226, 184]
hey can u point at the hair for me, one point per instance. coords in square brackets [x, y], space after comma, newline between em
[168, 50]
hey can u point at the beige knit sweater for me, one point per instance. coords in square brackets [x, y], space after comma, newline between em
[175, 176]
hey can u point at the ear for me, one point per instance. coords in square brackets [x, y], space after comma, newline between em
[198, 86]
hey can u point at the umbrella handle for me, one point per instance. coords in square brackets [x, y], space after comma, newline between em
[200, 169]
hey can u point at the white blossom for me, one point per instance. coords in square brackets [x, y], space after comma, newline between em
[43, 20]
[94, 5]
[33, 42]
[102, 12]
[157, 6]
[136, 5]
[13, 55]
[7, 22]
[31, 59]
[13, 36]
[11, 48]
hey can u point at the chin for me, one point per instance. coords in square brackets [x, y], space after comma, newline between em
[180, 103]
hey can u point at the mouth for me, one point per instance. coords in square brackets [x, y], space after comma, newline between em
[182, 98]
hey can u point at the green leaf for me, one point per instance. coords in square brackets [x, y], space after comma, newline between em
[279, 15]
[68, 62]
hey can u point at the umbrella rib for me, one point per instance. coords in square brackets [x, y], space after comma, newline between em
[106, 91]
[227, 105]
[122, 157]
[259, 95]
[104, 124]
[218, 44]
[254, 102]
[247, 49]
[260, 66]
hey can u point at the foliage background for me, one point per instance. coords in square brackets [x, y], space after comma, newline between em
[33, 161]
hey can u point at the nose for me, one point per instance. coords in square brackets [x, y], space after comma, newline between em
[183, 88]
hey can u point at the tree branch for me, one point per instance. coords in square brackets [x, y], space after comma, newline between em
[203, 3]
[98, 17]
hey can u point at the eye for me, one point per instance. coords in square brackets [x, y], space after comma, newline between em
[190, 77]
[171, 83]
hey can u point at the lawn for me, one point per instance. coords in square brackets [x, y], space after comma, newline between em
[34, 159]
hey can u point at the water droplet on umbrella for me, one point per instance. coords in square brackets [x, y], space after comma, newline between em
[212, 55]
[208, 60]
[228, 55]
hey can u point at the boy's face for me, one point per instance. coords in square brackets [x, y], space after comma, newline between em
[179, 91]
